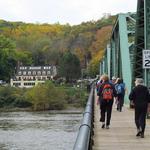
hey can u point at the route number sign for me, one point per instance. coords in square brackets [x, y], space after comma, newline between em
[146, 59]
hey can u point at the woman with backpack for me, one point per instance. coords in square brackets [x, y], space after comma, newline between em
[106, 96]
[120, 89]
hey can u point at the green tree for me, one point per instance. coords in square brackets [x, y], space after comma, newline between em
[40, 50]
[7, 58]
[69, 66]
[46, 96]
[24, 57]
[45, 42]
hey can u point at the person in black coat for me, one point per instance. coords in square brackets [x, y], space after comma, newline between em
[140, 97]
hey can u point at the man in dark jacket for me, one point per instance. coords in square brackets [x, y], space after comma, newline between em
[140, 98]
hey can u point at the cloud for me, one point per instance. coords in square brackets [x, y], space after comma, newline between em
[63, 11]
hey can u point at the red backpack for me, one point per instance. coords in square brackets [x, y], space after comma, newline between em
[107, 92]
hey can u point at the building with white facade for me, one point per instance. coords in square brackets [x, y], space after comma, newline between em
[29, 76]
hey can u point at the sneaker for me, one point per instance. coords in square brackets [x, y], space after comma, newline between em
[138, 133]
[142, 135]
[103, 126]
[100, 120]
[107, 127]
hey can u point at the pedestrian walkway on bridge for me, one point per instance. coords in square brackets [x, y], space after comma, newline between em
[122, 132]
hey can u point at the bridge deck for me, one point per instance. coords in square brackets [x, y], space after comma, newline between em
[121, 135]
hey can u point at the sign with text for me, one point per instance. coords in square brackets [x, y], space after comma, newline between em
[146, 59]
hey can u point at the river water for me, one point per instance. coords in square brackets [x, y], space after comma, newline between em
[38, 130]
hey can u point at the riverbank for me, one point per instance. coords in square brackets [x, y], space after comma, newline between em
[69, 109]
[52, 98]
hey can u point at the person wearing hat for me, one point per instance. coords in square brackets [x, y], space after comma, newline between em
[113, 81]
[140, 97]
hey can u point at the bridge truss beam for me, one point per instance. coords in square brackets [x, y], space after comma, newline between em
[142, 40]
[118, 59]
[123, 54]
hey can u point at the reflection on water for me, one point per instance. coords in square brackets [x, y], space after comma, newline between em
[38, 130]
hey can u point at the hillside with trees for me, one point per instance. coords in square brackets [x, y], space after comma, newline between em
[44, 44]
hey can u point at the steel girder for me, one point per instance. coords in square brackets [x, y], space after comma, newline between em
[142, 40]
[147, 36]
[119, 51]
[139, 42]
[123, 54]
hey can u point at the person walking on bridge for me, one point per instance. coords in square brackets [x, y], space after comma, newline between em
[140, 97]
[106, 95]
[120, 88]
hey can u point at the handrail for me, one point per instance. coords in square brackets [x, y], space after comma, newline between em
[85, 130]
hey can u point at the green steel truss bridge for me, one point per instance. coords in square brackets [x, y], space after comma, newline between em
[123, 58]
[123, 54]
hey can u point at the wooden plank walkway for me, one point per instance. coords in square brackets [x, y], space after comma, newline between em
[122, 132]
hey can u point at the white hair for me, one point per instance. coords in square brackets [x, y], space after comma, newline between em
[139, 81]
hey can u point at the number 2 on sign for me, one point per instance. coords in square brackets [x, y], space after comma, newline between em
[147, 63]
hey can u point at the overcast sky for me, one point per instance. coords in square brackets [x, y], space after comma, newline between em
[62, 11]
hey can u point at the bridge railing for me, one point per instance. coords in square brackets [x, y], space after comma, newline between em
[84, 137]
